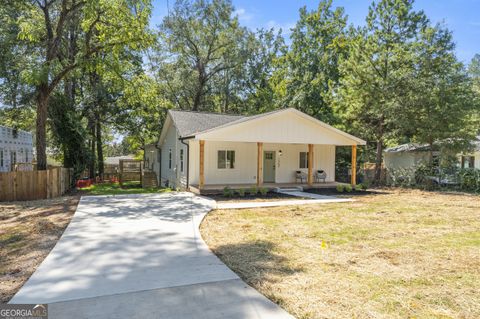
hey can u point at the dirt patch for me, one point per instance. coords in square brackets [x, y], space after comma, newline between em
[28, 231]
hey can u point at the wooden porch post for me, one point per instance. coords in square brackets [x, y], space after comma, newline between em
[310, 164]
[201, 182]
[354, 165]
[259, 164]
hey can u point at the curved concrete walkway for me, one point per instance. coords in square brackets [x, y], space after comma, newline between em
[141, 256]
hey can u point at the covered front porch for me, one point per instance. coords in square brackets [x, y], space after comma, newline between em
[242, 165]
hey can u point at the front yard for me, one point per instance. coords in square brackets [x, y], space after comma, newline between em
[394, 254]
[28, 231]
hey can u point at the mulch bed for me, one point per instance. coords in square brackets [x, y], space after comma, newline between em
[258, 197]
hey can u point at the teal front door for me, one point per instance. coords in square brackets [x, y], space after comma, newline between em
[269, 167]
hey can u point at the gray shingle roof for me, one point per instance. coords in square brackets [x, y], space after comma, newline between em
[189, 123]
[115, 160]
[409, 147]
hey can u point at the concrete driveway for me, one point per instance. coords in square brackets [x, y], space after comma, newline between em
[141, 256]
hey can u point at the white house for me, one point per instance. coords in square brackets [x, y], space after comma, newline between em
[209, 150]
[15, 147]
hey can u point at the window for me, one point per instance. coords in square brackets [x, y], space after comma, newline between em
[1, 158]
[13, 158]
[303, 160]
[468, 161]
[181, 160]
[170, 159]
[226, 159]
[26, 155]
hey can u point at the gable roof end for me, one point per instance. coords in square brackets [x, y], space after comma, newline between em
[253, 119]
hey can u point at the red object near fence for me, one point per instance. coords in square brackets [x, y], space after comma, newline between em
[85, 182]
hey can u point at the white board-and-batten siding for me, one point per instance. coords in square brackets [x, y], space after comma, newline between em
[245, 171]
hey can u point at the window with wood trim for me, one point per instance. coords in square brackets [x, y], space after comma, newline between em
[303, 160]
[226, 159]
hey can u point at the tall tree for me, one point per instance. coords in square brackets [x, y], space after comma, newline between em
[375, 75]
[203, 40]
[15, 107]
[311, 65]
[142, 109]
[262, 71]
[474, 73]
[442, 101]
[107, 26]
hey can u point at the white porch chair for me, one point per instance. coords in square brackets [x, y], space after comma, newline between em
[299, 175]
[320, 175]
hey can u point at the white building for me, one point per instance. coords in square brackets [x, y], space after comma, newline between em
[208, 150]
[16, 146]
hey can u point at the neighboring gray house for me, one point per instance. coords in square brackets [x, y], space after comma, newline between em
[15, 147]
[408, 156]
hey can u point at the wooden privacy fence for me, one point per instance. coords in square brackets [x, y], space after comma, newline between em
[30, 185]
[130, 171]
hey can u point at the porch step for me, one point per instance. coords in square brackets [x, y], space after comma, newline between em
[288, 189]
[149, 180]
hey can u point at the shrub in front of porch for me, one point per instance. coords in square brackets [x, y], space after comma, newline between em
[228, 192]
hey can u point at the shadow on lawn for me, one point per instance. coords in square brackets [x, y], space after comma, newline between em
[255, 262]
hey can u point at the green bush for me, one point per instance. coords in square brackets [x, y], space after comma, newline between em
[340, 188]
[227, 192]
[360, 187]
[348, 188]
[241, 192]
[253, 190]
[469, 179]
[263, 191]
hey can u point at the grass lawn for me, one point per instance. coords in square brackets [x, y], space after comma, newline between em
[395, 254]
[115, 189]
[28, 231]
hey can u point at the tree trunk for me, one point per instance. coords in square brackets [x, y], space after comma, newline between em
[198, 98]
[91, 165]
[99, 148]
[41, 129]
[378, 162]
[430, 152]
[201, 84]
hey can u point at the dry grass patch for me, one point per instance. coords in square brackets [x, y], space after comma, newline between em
[28, 231]
[395, 254]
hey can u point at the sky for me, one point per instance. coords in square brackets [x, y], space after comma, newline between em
[462, 17]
